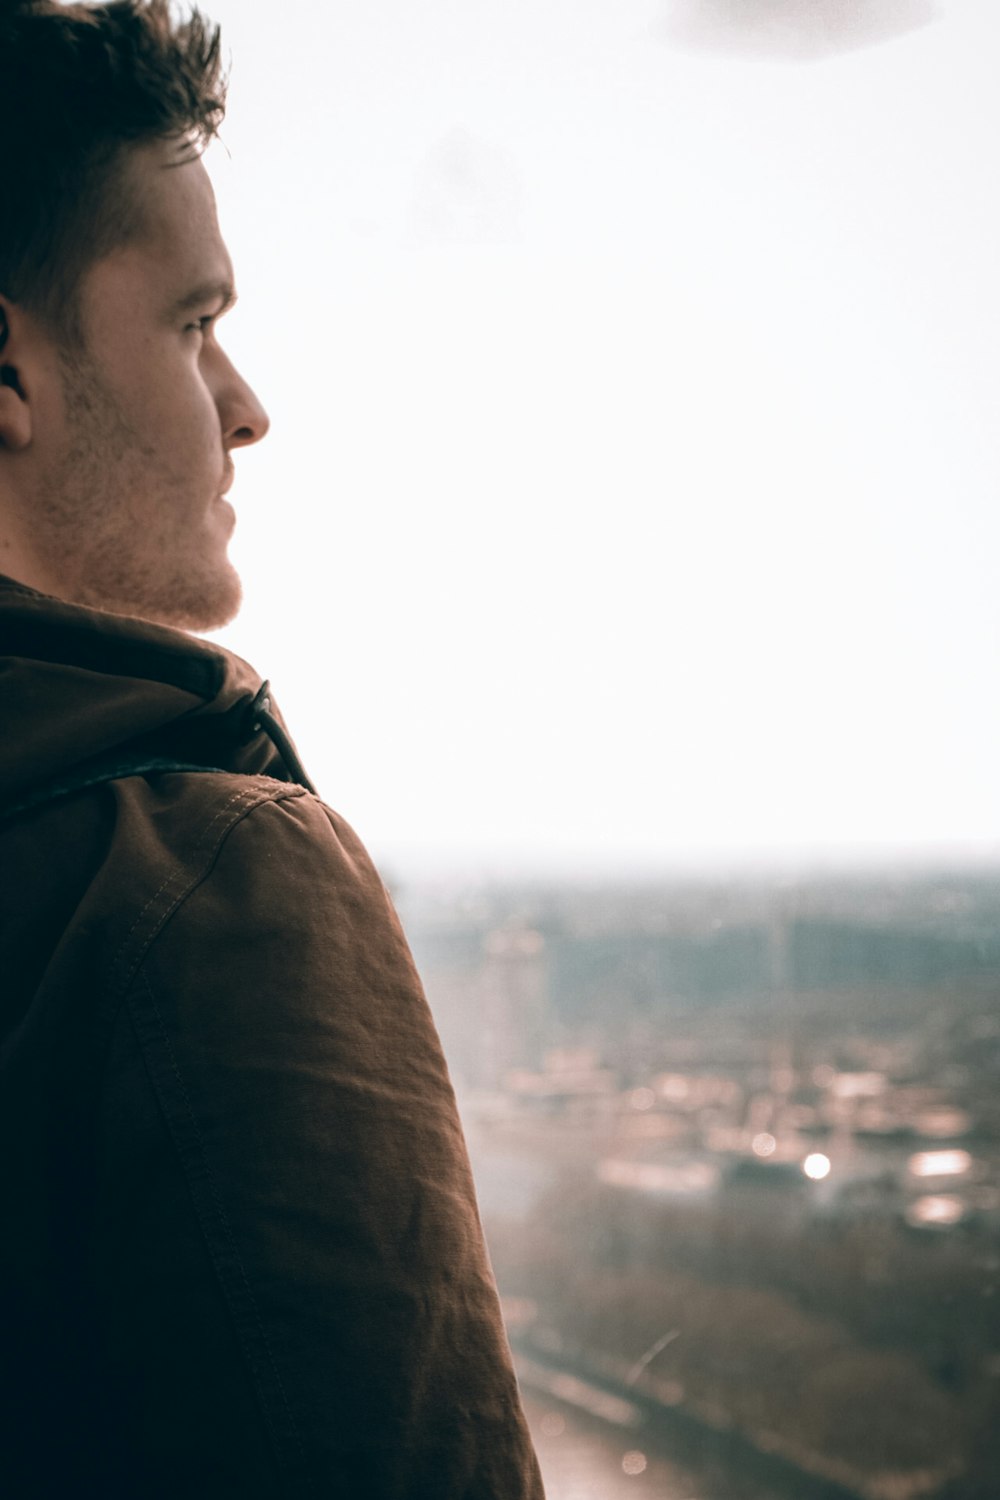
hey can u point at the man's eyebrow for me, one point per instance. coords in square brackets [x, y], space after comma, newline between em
[210, 291]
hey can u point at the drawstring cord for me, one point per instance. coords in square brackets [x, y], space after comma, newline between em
[116, 764]
[259, 717]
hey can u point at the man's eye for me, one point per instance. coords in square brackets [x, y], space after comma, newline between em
[202, 325]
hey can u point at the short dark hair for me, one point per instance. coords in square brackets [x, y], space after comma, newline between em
[79, 85]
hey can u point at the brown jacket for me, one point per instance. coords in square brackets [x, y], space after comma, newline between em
[240, 1251]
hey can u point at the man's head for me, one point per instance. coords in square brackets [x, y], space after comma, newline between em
[119, 411]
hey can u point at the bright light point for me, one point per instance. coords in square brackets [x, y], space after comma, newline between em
[642, 1099]
[763, 1144]
[940, 1163]
[939, 1210]
[816, 1166]
[634, 1463]
[674, 1087]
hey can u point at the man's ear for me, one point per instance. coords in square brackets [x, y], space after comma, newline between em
[15, 413]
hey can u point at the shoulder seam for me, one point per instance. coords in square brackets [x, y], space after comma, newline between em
[177, 887]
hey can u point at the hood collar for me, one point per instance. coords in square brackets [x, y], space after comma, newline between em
[78, 684]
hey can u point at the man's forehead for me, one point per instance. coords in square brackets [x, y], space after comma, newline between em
[175, 206]
[173, 256]
[171, 194]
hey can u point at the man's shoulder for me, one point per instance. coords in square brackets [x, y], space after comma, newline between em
[210, 860]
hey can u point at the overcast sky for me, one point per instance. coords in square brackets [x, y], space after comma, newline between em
[632, 491]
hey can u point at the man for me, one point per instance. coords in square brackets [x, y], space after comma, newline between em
[240, 1252]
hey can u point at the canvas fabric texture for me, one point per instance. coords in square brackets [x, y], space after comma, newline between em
[241, 1254]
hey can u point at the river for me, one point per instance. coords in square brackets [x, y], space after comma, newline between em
[584, 1458]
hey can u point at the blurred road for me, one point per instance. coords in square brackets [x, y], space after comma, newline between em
[582, 1460]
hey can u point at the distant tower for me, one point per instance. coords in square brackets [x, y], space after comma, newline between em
[512, 1002]
[785, 1059]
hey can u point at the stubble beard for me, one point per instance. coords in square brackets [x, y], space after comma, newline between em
[90, 532]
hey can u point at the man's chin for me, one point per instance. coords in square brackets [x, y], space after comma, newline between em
[215, 606]
[186, 603]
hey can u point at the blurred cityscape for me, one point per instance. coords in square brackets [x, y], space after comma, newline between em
[737, 1146]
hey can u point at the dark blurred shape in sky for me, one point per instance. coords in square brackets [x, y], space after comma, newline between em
[793, 30]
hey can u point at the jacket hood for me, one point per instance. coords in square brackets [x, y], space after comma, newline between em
[78, 686]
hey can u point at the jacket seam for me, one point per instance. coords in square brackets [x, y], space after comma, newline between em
[239, 804]
[230, 1237]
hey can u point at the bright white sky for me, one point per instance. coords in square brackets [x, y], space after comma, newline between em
[632, 491]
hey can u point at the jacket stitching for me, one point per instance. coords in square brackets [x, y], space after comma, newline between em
[250, 797]
[231, 1238]
[235, 798]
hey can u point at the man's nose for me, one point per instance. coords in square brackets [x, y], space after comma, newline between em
[244, 420]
